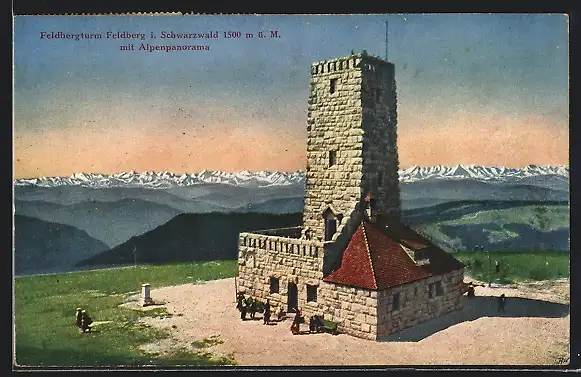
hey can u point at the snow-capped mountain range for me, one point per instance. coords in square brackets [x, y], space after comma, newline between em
[478, 172]
[267, 179]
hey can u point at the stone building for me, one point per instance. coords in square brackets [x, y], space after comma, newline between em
[352, 260]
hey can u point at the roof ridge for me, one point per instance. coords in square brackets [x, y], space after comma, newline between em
[368, 253]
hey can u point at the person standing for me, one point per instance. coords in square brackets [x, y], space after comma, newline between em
[85, 321]
[295, 327]
[471, 291]
[252, 308]
[281, 314]
[501, 303]
[243, 308]
[79, 317]
[267, 312]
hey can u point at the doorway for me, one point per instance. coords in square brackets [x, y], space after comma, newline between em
[293, 298]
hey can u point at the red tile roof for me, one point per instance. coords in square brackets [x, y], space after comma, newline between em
[374, 258]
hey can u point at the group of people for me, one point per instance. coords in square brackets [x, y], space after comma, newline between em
[83, 320]
[250, 306]
[246, 306]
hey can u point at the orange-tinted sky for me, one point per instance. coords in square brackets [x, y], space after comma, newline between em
[490, 90]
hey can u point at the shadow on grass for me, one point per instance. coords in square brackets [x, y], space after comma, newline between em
[478, 307]
[71, 358]
[50, 357]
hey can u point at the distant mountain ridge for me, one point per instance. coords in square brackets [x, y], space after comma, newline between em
[478, 172]
[245, 178]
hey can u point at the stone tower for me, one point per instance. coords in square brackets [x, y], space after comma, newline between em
[352, 142]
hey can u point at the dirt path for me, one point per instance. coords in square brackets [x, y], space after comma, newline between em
[531, 333]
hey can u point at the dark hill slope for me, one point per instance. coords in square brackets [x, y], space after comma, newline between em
[46, 247]
[209, 236]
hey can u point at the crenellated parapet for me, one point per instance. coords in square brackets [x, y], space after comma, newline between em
[354, 61]
[280, 245]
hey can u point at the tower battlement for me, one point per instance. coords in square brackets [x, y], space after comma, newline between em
[354, 61]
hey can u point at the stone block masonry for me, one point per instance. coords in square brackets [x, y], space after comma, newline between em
[416, 304]
[354, 309]
[290, 260]
[352, 145]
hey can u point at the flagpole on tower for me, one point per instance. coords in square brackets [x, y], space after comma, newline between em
[386, 39]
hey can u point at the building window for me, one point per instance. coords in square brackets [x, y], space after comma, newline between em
[274, 285]
[415, 291]
[333, 86]
[395, 302]
[332, 158]
[380, 179]
[439, 288]
[435, 289]
[311, 293]
[377, 94]
[330, 229]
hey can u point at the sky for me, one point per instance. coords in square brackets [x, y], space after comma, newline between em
[487, 89]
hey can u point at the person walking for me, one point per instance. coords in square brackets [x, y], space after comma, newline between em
[267, 312]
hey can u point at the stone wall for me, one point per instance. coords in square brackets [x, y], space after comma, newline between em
[362, 313]
[290, 259]
[380, 157]
[354, 309]
[415, 305]
[352, 112]
[333, 124]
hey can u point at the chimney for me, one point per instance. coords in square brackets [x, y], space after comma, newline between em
[370, 208]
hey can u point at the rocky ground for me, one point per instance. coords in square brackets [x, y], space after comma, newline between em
[533, 331]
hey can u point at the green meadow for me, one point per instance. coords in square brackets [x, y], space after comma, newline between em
[516, 265]
[523, 227]
[44, 316]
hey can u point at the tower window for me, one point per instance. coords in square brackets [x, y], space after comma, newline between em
[332, 158]
[311, 293]
[333, 85]
[274, 285]
[380, 179]
[395, 303]
[377, 94]
[439, 288]
[330, 229]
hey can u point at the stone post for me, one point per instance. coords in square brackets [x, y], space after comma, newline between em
[146, 295]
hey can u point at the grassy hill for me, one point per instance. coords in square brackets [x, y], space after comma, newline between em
[494, 225]
[44, 311]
